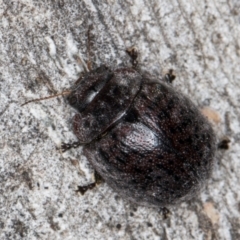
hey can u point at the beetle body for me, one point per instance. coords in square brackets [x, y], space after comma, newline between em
[148, 142]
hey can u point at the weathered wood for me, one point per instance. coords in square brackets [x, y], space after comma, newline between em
[43, 46]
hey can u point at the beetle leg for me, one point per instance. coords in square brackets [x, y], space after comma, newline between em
[170, 76]
[67, 146]
[133, 53]
[83, 189]
[224, 144]
[165, 212]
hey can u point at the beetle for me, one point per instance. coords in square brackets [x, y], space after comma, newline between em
[149, 142]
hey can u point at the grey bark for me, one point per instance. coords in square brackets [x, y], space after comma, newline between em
[43, 50]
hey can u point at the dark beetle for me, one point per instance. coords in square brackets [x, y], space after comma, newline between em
[147, 141]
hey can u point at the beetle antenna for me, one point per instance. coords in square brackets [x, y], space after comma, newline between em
[89, 42]
[49, 97]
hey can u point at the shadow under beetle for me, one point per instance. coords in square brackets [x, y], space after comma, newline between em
[149, 142]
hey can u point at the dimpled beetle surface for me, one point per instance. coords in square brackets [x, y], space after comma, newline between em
[147, 141]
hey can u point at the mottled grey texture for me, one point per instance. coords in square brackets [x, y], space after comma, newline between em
[43, 45]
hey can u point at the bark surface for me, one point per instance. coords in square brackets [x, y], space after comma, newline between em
[44, 47]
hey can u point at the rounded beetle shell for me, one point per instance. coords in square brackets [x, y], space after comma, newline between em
[157, 150]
